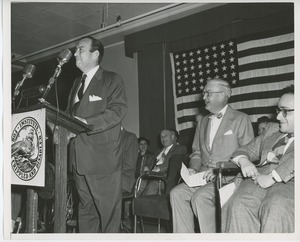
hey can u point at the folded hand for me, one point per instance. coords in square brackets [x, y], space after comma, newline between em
[209, 175]
[264, 181]
[192, 171]
[247, 167]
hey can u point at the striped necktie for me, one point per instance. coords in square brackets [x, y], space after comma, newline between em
[278, 148]
[80, 92]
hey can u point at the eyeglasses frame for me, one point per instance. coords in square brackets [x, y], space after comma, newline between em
[209, 93]
[284, 111]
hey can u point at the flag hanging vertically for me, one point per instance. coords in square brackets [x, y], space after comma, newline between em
[257, 67]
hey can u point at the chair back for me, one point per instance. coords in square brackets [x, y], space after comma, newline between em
[174, 170]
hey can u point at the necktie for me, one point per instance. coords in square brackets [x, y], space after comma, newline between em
[142, 165]
[278, 148]
[80, 92]
[161, 159]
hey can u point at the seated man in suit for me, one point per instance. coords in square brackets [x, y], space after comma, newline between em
[264, 200]
[159, 162]
[217, 136]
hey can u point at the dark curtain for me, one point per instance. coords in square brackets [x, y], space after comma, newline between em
[44, 70]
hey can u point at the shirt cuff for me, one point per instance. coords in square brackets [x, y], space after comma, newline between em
[236, 159]
[276, 176]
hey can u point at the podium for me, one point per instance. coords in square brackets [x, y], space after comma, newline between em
[64, 125]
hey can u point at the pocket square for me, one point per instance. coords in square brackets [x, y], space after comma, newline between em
[93, 98]
[228, 132]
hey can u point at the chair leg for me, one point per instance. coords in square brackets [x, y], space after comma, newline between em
[142, 225]
[218, 204]
[134, 225]
[158, 226]
[169, 227]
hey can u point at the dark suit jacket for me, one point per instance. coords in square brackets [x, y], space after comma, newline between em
[142, 160]
[234, 131]
[130, 149]
[259, 148]
[99, 150]
[175, 149]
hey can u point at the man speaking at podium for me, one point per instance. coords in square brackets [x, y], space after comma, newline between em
[97, 98]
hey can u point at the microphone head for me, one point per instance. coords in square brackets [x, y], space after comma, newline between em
[29, 70]
[64, 56]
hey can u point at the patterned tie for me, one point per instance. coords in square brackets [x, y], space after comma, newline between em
[278, 148]
[80, 92]
[162, 158]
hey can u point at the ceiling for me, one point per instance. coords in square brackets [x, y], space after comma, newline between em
[36, 26]
[39, 28]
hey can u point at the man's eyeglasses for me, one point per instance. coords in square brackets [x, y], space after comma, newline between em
[284, 111]
[209, 93]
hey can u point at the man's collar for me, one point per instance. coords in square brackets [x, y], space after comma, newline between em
[168, 148]
[221, 113]
[92, 72]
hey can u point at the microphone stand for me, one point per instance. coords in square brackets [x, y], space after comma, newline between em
[17, 89]
[52, 80]
[63, 57]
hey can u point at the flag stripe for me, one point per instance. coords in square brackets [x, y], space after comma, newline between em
[265, 64]
[188, 111]
[272, 49]
[260, 86]
[186, 125]
[256, 102]
[259, 42]
[190, 98]
[259, 110]
[184, 119]
[271, 79]
[188, 105]
[255, 96]
[267, 71]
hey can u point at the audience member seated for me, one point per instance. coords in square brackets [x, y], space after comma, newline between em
[143, 155]
[159, 162]
[262, 123]
[264, 200]
[217, 136]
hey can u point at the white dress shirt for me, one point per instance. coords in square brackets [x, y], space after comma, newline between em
[214, 125]
[89, 77]
[165, 151]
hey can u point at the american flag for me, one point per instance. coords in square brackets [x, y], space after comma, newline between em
[257, 67]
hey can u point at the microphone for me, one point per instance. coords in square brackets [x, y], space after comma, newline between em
[64, 56]
[28, 72]
[36, 91]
